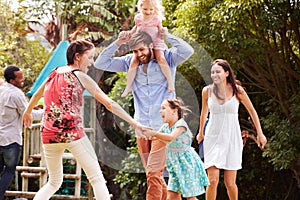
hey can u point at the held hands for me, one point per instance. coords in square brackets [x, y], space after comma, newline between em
[142, 131]
[139, 129]
[149, 133]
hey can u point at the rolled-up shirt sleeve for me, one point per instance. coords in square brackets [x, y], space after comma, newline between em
[107, 62]
[37, 114]
[180, 52]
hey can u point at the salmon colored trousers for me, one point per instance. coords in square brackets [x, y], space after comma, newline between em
[153, 156]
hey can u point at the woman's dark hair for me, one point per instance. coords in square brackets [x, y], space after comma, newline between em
[230, 78]
[179, 105]
[78, 46]
[9, 73]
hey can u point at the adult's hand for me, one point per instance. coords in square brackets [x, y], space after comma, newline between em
[139, 129]
[149, 133]
[27, 119]
[261, 141]
[200, 137]
[123, 37]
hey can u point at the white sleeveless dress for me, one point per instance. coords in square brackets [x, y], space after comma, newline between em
[223, 145]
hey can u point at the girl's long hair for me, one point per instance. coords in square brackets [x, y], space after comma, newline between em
[178, 104]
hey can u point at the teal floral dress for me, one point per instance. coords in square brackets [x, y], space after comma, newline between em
[186, 172]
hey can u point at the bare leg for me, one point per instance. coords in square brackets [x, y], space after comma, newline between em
[165, 68]
[173, 195]
[130, 76]
[213, 176]
[229, 179]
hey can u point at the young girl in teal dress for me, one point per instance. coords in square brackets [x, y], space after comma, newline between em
[187, 174]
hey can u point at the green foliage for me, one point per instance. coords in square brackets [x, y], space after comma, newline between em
[260, 39]
[257, 179]
[72, 12]
[285, 136]
[117, 90]
[17, 49]
[133, 185]
[100, 18]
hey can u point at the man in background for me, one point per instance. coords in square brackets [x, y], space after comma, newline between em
[12, 105]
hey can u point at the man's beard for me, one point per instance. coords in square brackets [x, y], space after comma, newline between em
[148, 57]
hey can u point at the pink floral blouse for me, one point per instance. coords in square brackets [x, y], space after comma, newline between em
[63, 98]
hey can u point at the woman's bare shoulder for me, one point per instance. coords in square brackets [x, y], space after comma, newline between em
[240, 89]
[206, 90]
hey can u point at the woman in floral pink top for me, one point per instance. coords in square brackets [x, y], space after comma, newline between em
[62, 123]
[63, 97]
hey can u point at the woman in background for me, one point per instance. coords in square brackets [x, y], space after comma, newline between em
[223, 143]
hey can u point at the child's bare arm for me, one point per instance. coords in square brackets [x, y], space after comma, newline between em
[165, 136]
[133, 30]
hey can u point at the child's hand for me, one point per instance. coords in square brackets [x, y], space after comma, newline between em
[163, 33]
[149, 133]
[139, 129]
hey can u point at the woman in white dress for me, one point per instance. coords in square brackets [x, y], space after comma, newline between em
[223, 143]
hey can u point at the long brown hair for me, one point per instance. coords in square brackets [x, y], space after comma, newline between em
[230, 78]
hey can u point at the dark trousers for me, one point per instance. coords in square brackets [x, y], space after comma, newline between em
[9, 159]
